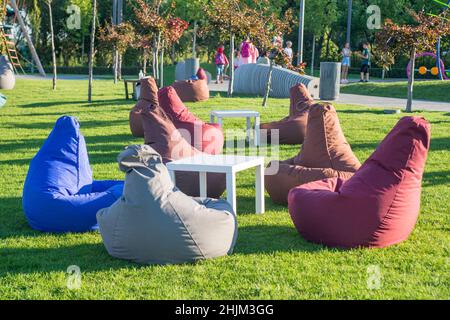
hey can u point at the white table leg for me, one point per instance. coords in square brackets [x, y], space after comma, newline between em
[172, 176]
[257, 131]
[219, 121]
[249, 127]
[211, 118]
[231, 190]
[260, 205]
[202, 177]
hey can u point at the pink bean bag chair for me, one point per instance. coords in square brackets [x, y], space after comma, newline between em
[292, 129]
[206, 137]
[325, 153]
[161, 135]
[379, 205]
[193, 90]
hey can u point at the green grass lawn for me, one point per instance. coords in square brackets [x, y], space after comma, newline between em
[424, 90]
[271, 261]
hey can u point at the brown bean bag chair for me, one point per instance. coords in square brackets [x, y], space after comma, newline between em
[292, 129]
[161, 135]
[325, 153]
[193, 90]
[149, 96]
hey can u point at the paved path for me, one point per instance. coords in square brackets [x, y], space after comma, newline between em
[388, 103]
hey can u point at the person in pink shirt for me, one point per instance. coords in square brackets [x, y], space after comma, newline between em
[249, 53]
[221, 62]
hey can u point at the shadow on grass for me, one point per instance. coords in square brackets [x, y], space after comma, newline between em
[436, 178]
[119, 102]
[84, 124]
[270, 239]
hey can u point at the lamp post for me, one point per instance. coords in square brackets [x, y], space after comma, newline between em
[301, 24]
[349, 20]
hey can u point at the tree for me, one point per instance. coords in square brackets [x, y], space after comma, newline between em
[91, 50]
[228, 19]
[412, 39]
[158, 28]
[52, 35]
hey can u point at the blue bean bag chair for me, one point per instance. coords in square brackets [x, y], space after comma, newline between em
[59, 194]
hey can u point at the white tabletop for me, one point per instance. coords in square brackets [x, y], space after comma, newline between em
[216, 163]
[234, 113]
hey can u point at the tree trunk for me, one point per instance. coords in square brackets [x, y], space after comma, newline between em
[194, 41]
[115, 65]
[23, 27]
[313, 54]
[144, 63]
[82, 49]
[52, 37]
[119, 67]
[268, 84]
[161, 71]
[412, 59]
[91, 50]
[231, 82]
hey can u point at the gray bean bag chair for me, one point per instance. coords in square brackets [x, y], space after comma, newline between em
[155, 223]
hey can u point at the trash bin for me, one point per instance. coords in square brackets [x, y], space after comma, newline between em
[191, 66]
[330, 79]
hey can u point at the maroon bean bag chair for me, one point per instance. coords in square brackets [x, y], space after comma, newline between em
[292, 129]
[325, 153]
[161, 135]
[193, 90]
[148, 96]
[206, 137]
[379, 205]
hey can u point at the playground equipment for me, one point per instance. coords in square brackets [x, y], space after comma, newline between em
[434, 70]
[11, 10]
[252, 79]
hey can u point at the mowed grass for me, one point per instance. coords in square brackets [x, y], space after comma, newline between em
[434, 90]
[271, 261]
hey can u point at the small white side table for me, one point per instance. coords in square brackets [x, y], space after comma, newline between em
[228, 164]
[248, 114]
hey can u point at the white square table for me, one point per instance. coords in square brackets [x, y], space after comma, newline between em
[248, 114]
[228, 164]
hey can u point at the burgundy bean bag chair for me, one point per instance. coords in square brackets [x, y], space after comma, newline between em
[193, 90]
[161, 135]
[206, 137]
[325, 153]
[379, 205]
[292, 129]
[148, 96]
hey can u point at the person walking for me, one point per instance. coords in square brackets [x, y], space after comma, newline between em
[221, 62]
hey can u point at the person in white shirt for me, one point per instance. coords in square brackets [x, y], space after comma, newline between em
[288, 50]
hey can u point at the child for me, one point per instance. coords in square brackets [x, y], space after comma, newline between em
[237, 59]
[221, 61]
[365, 63]
[346, 53]
[288, 51]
